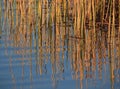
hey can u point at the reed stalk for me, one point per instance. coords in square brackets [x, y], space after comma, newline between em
[93, 16]
[119, 35]
[113, 22]
[109, 25]
[119, 18]
[0, 16]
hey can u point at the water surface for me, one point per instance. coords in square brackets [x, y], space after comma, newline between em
[40, 49]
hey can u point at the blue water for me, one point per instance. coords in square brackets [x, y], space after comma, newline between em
[20, 71]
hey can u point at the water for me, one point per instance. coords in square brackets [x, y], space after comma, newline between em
[41, 50]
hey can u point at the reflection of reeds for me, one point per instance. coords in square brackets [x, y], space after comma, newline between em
[74, 29]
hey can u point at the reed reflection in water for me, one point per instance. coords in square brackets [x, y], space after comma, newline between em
[47, 44]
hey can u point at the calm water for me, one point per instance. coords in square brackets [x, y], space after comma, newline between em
[43, 53]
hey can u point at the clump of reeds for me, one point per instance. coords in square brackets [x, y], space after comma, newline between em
[51, 20]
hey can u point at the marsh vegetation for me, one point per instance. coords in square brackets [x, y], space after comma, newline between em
[83, 35]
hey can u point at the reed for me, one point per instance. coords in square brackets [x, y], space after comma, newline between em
[0, 16]
[81, 10]
[119, 36]
[73, 28]
[119, 22]
[113, 21]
